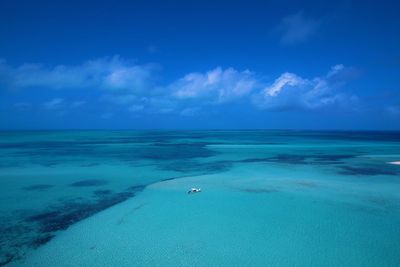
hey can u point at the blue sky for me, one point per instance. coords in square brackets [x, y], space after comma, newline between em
[199, 64]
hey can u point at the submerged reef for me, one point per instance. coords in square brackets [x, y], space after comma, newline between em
[160, 147]
[90, 182]
[102, 192]
[319, 159]
[60, 217]
[34, 229]
[38, 187]
[374, 170]
[191, 166]
[258, 190]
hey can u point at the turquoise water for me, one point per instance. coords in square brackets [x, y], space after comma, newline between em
[269, 198]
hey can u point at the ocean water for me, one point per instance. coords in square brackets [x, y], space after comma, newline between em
[269, 198]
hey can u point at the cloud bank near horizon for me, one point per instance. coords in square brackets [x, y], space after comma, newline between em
[119, 82]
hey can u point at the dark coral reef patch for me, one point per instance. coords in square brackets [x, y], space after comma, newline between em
[60, 217]
[38, 187]
[89, 182]
[321, 159]
[33, 230]
[350, 170]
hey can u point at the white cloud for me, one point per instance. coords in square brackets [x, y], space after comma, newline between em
[133, 78]
[107, 73]
[297, 28]
[286, 79]
[335, 70]
[216, 85]
[132, 87]
[290, 91]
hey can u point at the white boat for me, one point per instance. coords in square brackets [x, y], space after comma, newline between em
[194, 190]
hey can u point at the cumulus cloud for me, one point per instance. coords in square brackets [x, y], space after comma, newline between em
[290, 91]
[130, 78]
[286, 79]
[107, 73]
[297, 28]
[121, 84]
[216, 85]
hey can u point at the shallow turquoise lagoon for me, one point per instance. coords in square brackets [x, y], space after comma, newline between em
[269, 198]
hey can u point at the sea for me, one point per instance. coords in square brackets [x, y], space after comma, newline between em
[268, 198]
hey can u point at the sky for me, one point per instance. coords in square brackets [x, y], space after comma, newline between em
[200, 64]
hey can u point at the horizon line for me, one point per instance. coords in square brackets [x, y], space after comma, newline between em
[197, 129]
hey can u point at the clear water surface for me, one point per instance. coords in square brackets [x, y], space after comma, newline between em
[269, 198]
